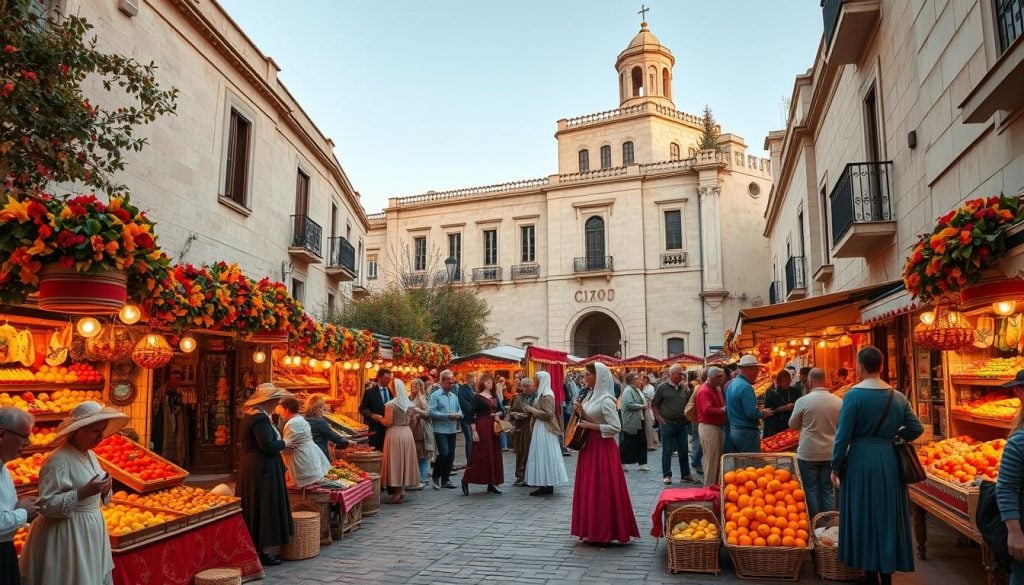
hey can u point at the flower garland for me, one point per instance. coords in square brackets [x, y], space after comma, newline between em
[408, 351]
[964, 243]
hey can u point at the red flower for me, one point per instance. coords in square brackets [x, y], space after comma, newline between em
[66, 261]
[45, 231]
[122, 214]
[29, 75]
[66, 239]
[965, 238]
[10, 49]
[36, 210]
[7, 89]
[945, 219]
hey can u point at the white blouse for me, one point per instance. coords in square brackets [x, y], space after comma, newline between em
[604, 412]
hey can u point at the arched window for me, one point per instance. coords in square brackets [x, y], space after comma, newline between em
[676, 346]
[652, 85]
[593, 230]
[584, 160]
[673, 151]
[627, 153]
[666, 83]
[692, 151]
[622, 87]
[638, 81]
[606, 157]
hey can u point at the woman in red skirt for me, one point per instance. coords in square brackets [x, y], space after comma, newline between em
[486, 467]
[601, 508]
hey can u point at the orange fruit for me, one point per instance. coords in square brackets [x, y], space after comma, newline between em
[792, 485]
[740, 478]
[730, 477]
[769, 499]
[732, 496]
[790, 501]
[751, 470]
[748, 513]
[801, 534]
[801, 506]
[759, 503]
[781, 523]
[773, 486]
[732, 540]
[802, 524]
[756, 493]
[743, 501]
[764, 530]
[789, 532]
[742, 531]
[788, 541]
[760, 516]
[768, 469]
[800, 542]
[745, 541]
[762, 482]
[791, 509]
[751, 486]
[730, 527]
[760, 541]
[732, 534]
[783, 475]
[774, 540]
[781, 511]
[793, 520]
[798, 495]
[776, 531]
[743, 521]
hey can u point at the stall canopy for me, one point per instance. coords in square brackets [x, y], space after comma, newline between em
[604, 359]
[642, 361]
[806, 316]
[497, 355]
[683, 358]
[553, 362]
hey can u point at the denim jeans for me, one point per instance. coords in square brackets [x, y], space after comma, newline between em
[696, 451]
[674, 438]
[467, 434]
[817, 477]
[445, 456]
[424, 469]
[505, 439]
[745, 440]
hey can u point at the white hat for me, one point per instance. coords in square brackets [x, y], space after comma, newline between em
[266, 392]
[748, 361]
[222, 490]
[90, 412]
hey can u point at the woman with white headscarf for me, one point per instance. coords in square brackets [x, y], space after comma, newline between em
[399, 466]
[602, 511]
[545, 467]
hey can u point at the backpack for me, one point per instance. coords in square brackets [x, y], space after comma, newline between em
[990, 523]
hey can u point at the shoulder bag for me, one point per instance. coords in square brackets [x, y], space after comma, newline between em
[911, 470]
[690, 412]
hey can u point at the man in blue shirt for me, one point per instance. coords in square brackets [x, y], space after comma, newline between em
[446, 414]
[741, 406]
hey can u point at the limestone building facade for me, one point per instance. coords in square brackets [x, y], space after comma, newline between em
[639, 243]
[240, 173]
[909, 109]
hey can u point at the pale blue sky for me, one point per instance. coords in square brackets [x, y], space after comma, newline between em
[429, 94]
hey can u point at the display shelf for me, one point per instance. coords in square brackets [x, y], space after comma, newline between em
[324, 386]
[48, 386]
[992, 422]
[50, 416]
[38, 448]
[976, 381]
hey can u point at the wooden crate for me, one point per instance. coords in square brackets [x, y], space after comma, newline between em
[139, 485]
[152, 533]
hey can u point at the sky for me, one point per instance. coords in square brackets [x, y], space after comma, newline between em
[444, 94]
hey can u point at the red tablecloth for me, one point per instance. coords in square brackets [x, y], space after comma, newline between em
[347, 498]
[708, 494]
[176, 560]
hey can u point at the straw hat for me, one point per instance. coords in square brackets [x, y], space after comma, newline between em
[266, 392]
[90, 412]
[748, 361]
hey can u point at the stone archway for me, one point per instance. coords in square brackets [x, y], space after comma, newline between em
[595, 333]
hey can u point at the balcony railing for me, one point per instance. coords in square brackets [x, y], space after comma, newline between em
[487, 274]
[441, 276]
[307, 236]
[775, 293]
[592, 264]
[830, 10]
[673, 259]
[414, 280]
[529, 270]
[1009, 22]
[342, 257]
[862, 195]
[796, 275]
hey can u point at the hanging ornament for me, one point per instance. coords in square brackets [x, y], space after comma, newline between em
[129, 314]
[948, 331]
[88, 327]
[188, 344]
[1004, 308]
[152, 351]
[259, 356]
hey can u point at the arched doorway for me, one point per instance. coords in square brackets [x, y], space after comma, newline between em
[596, 333]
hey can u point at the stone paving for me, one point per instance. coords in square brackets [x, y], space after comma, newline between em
[446, 538]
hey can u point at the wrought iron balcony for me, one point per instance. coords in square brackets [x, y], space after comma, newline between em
[487, 274]
[441, 276]
[592, 264]
[528, 270]
[673, 259]
[341, 261]
[861, 205]
[307, 239]
[775, 293]
[796, 278]
[414, 280]
[848, 25]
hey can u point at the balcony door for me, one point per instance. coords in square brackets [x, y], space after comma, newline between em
[873, 147]
[594, 241]
[301, 207]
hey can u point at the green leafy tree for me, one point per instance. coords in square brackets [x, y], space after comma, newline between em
[458, 318]
[50, 132]
[709, 133]
[392, 312]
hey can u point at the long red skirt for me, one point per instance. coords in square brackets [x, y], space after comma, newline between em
[486, 468]
[601, 508]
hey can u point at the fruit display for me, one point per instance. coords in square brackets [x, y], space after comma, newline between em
[764, 507]
[761, 387]
[25, 470]
[982, 461]
[993, 368]
[16, 375]
[124, 519]
[19, 539]
[998, 404]
[934, 452]
[344, 472]
[291, 377]
[57, 402]
[346, 422]
[41, 436]
[356, 449]
[783, 441]
[695, 530]
[75, 373]
[121, 457]
[183, 499]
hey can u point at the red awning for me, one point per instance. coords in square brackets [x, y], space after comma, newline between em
[550, 356]
[683, 358]
[604, 359]
[641, 361]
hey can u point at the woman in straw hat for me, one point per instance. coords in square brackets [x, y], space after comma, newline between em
[261, 482]
[69, 542]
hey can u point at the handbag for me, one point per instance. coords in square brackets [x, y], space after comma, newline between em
[911, 470]
[502, 426]
[690, 411]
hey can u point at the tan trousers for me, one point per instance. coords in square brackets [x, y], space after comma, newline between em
[712, 441]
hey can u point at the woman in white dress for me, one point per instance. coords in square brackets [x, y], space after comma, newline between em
[545, 467]
[68, 541]
[305, 461]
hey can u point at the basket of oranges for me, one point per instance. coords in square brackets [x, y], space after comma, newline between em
[694, 541]
[764, 516]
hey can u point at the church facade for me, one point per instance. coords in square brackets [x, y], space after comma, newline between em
[640, 243]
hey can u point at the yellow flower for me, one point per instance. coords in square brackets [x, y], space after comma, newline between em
[14, 210]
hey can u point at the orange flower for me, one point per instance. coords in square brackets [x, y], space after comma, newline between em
[129, 232]
[14, 210]
[99, 247]
[22, 259]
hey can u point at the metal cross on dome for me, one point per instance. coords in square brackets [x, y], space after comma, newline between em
[643, 13]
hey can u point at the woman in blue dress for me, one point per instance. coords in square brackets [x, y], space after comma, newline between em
[874, 508]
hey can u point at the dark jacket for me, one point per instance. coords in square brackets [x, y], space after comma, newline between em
[466, 395]
[373, 403]
[323, 434]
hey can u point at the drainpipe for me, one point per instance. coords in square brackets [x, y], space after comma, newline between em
[700, 244]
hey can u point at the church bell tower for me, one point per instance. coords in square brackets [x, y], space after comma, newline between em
[645, 71]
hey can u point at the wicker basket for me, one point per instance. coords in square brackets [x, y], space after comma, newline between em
[307, 501]
[222, 576]
[765, 562]
[371, 505]
[826, 557]
[368, 461]
[305, 542]
[692, 556]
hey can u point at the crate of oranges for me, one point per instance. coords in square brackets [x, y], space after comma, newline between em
[764, 516]
[694, 540]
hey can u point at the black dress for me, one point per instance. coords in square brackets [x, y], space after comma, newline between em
[261, 485]
[774, 398]
[323, 433]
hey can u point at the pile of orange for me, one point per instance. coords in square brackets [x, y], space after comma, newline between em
[764, 507]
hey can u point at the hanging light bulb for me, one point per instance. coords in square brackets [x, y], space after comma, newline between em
[88, 327]
[1004, 308]
[286, 360]
[259, 357]
[806, 341]
[368, 365]
[327, 364]
[792, 343]
[312, 362]
[845, 340]
[129, 314]
[821, 344]
[188, 344]
[346, 365]
[928, 317]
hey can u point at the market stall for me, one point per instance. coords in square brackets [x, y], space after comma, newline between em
[502, 360]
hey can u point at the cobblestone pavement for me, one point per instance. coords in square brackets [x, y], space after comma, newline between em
[444, 537]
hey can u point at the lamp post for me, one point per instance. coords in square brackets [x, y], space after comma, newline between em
[449, 265]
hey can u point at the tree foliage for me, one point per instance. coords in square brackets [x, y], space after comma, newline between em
[709, 133]
[391, 312]
[50, 132]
